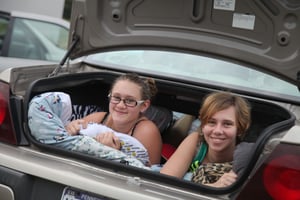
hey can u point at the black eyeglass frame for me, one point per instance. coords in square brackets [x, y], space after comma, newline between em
[125, 101]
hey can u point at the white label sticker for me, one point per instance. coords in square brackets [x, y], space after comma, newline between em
[224, 4]
[244, 21]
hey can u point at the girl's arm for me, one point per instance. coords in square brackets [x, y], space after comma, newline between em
[179, 163]
[226, 180]
[148, 134]
[95, 117]
[75, 126]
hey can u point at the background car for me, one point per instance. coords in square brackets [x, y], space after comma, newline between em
[33, 36]
[190, 48]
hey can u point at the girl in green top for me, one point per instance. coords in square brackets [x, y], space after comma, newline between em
[224, 118]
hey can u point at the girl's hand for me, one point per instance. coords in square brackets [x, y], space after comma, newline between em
[109, 139]
[226, 180]
[74, 127]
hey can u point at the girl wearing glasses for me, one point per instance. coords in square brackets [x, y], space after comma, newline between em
[48, 116]
[129, 98]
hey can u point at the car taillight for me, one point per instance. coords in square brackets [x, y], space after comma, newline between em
[6, 127]
[282, 177]
[2, 108]
[278, 178]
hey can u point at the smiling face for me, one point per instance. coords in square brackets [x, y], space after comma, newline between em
[220, 131]
[237, 107]
[122, 114]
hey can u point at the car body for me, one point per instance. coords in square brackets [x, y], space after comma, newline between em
[190, 48]
[33, 36]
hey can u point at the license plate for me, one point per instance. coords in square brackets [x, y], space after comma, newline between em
[72, 194]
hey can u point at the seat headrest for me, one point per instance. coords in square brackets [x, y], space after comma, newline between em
[161, 116]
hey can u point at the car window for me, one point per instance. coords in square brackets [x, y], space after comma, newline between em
[38, 40]
[198, 68]
[3, 31]
[58, 35]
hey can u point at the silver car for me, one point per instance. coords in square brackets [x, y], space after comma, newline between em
[190, 48]
[33, 36]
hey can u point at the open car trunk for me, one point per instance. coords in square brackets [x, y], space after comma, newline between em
[86, 89]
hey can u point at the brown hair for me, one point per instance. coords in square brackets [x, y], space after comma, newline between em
[218, 101]
[148, 86]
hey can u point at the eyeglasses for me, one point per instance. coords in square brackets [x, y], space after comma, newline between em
[127, 102]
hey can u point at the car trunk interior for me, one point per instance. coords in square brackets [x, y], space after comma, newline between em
[268, 119]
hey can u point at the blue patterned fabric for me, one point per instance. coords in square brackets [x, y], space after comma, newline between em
[46, 126]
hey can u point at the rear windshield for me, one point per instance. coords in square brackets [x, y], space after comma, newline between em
[198, 68]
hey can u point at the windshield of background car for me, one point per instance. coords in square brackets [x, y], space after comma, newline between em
[38, 40]
[197, 68]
